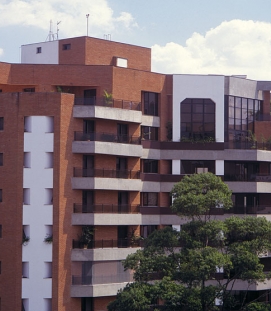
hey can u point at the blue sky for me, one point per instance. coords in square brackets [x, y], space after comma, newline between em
[186, 36]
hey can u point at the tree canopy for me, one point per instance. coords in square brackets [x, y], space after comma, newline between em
[199, 268]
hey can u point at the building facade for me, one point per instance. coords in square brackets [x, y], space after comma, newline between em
[91, 143]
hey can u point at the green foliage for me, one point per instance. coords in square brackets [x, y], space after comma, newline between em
[181, 269]
[197, 194]
[134, 297]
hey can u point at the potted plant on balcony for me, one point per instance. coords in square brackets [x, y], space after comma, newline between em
[108, 98]
[86, 236]
[135, 238]
[25, 239]
[48, 239]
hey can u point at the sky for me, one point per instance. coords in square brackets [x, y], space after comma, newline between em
[228, 37]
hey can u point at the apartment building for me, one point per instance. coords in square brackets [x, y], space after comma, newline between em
[91, 143]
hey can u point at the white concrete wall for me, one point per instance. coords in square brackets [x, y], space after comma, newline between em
[198, 86]
[38, 214]
[49, 53]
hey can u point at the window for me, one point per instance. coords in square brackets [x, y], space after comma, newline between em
[150, 166]
[149, 133]
[197, 166]
[197, 119]
[240, 115]
[150, 198]
[66, 47]
[1, 159]
[150, 103]
[145, 231]
[29, 90]
[39, 50]
[1, 123]
[1, 195]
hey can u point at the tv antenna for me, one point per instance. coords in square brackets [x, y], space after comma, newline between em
[57, 29]
[51, 36]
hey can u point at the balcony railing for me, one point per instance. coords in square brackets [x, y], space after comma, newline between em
[107, 137]
[106, 208]
[102, 279]
[246, 177]
[114, 103]
[119, 243]
[248, 145]
[95, 172]
[260, 209]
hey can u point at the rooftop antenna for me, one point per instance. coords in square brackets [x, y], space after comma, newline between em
[87, 16]
[57, 29]
[51, 35]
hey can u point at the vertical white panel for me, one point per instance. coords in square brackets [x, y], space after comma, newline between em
[176, 167]
[38, 215]
[219, 167]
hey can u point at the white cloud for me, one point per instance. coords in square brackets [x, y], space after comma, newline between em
[71, 13]
[233, 47]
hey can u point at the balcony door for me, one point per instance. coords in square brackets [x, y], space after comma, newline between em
[121, 167]
[123, 201]
[89, 97]
[88, 165]
[122, 132]
[87, 201]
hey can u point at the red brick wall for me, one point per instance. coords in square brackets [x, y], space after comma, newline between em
[93, 51]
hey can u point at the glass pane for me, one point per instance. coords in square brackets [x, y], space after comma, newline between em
[185, 108]
[209, 118]
[231, 123]
[231, 112]
[209, 108]
[186, 117]
[197, 108]
[197, 117]
[238, 102]
[237, 113]
[238, 124]
[231, 101]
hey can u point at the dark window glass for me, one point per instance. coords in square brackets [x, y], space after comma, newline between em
[38, 50]
[197, 119]
[150, 103]
[150, 199]
[66, 47]
[1, 123]
[149, 133]
[145, 231]
[1, 159]
[198, 166]
[150, 166]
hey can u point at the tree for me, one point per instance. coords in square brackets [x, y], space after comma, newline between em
[197, 268]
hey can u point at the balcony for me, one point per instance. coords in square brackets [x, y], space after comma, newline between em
[102, 173]
[107, 143]
[119, 243]
[107, 137]
[106, 208]
[260, 209]
[247, 178]
[253, 145]
[114, 103]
